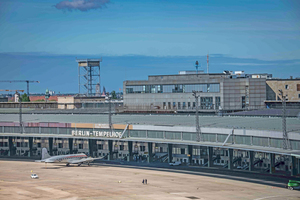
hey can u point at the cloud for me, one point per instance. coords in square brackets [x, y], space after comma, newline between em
[82, 5]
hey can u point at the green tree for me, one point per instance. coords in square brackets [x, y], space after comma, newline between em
[25, 98]
[113, 94]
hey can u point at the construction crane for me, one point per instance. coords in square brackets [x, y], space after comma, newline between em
[27, 81]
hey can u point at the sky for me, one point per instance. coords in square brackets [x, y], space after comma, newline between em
[135, 39]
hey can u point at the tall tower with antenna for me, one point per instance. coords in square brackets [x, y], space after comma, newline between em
[207, 62]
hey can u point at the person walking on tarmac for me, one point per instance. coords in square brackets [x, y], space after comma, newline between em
[146, 181]
[143, 181]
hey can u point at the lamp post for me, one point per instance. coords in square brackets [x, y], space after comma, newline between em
[198, 131]
[286, 142]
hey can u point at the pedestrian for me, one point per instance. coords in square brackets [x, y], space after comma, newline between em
[146, 181]
[143, 181]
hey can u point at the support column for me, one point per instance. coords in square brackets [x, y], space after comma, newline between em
[92, 147]
[210, 156]
[298, 165]
[230, 158]
[190, 152]
[71, 145]
[30, 141]
[150, 154]
[50, 141]
[272, 162]
[130, 155]
[12, 148]
[170, 156]
[251, 158]
[294, 166]
[110, 150]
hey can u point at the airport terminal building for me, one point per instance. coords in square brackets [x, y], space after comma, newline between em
[228, 91]
[254, 144]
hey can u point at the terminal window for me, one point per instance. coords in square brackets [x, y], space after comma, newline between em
[178, 88]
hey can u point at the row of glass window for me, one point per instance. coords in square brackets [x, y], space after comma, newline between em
[214, 87]
[205, 103]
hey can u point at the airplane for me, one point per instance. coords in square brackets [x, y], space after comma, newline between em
[68, 159]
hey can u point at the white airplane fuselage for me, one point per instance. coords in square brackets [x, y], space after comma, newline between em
[66, 158]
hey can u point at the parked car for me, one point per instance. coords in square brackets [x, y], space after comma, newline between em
[175, 163]
[35, 176]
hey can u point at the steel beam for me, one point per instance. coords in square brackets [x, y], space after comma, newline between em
[272, 162]
[294, 166]
[251, 159]
[230, 158]
[50, 141]
[110, 150]
[190, 152]
[30, 141]
[210, 152]
[71, 145]
[170, 156]
[150, 155]
[130, 156]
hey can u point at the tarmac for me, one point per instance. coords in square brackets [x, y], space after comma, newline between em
[123, 182]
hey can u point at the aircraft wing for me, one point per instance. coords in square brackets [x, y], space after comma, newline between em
[84, 160]
[46, 160]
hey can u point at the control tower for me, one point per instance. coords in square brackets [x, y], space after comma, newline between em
[88, 76]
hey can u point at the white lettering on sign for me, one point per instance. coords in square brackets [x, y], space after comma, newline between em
[96, 133]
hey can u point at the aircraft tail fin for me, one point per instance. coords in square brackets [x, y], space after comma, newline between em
[45, 154]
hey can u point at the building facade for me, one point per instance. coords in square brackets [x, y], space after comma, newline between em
[289, 87]
[219, 91]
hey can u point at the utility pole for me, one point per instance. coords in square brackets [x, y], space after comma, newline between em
[198, 131]
[286, 142]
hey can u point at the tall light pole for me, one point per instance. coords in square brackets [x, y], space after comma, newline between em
[109, 114]
[20, 114]
[198, 131]
[286, 142]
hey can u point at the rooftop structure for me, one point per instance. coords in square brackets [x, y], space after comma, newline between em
[89, 76]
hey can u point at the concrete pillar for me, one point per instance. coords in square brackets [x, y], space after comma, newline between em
[110, 150]
[92, 147]
[272, 162]
[190, 152]
[294, 166]
[130, 155]
[170, 156]
[251, 159]
[210, 152]
[230, 158]
[50, 141]
[150, 154]
[71, 145]
[30, 141]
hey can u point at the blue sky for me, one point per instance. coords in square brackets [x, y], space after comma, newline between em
[248, 35]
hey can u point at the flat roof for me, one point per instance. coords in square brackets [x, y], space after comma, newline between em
[238, 122]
